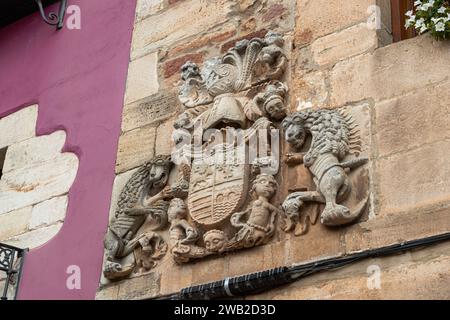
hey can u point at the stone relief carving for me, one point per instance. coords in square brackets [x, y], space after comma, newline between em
[206, 199]
[270, 103]
[182, 234]
[143, 197]
[257, 223]
[334, 136]
[241, 90]
[250, 62]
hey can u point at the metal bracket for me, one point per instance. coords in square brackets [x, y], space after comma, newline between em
[53, 19]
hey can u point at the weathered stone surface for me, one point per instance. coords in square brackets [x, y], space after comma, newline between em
[391, 71]
[344, 44]
[153, 109]
[144, 287]
[173, 67]
[107, 293]
[135, 148]
[145, 8]
[223, 33]
[410, 121]
[18, 126]
[164, 142]
[34, 151]
[26, 186]
[310, 89]
[321, 17]
[162, 30]
[175, 277]
[48, 212]
[319, 243]
[389, 229]
[246, 4]
[422, 274]
[276, 10]
[142, 78]
[171, 2]
[14, 222]
[257, 34]
[238, 262]
[413, 179]
[34, 238]
[208, 271]
[278, 15]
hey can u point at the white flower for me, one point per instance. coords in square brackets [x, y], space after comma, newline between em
[442, 10]
[304, 105]
[410, 22]
[420, 23]
[417, 3]
[436, 20]
[426, 6]
[409, 13]
[440, 26]
[423, 28]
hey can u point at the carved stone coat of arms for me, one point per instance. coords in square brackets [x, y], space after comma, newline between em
[215, 192]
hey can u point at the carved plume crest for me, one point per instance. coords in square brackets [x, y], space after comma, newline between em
[248, 63]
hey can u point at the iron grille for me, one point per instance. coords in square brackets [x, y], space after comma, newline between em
[11, 262]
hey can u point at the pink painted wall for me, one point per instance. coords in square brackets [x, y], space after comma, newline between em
[78, 79]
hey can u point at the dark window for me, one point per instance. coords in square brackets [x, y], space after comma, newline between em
[2, 160]
[398, 10]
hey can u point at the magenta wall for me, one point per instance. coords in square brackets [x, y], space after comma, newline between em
[78, 79]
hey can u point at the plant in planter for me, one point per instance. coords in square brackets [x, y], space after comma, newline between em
[430, 16]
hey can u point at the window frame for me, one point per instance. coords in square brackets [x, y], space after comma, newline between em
[398, 20]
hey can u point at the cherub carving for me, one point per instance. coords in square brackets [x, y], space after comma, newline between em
[152, 247]
[182, 234]
[270, 103]
[259, 227]
[216, 241]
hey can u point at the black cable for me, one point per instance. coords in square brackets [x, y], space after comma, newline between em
[268, 279]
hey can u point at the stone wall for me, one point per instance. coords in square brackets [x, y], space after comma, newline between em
[35, 180]
[397, 92]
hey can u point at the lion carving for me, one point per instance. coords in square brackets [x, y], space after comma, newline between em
[334, 136]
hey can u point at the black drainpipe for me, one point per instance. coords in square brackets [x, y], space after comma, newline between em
[269, 279]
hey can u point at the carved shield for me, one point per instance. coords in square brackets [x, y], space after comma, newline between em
[216, 191]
